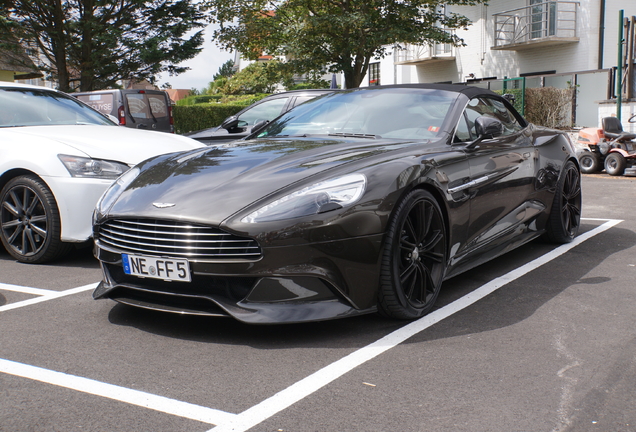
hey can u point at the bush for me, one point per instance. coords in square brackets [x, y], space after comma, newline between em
[196, 117]
[549, 106]
[198, 99]
[244, 100]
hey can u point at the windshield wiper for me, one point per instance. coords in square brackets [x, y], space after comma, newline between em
[355, 135]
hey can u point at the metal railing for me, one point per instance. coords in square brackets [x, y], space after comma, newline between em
[550, 19]
[413, 53]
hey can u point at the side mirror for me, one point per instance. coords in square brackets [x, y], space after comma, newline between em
[230, 123]
[259, 126]
[510, 98]
[488, 127]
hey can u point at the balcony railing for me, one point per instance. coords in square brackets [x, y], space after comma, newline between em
[546, 23]
[413, 54]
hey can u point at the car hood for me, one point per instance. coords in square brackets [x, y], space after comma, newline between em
[122, 144]
[211, 185]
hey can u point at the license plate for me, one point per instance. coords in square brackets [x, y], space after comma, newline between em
[170, 269]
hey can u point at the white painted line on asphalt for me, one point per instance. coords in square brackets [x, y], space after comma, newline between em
[133, 397]
[46, 297]
[303, 388]
[296, 392]
[25, 290]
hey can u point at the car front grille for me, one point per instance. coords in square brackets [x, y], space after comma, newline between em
[176, 239]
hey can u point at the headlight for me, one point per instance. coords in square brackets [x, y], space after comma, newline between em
[317, 198]
[111, 194]
[95, 168]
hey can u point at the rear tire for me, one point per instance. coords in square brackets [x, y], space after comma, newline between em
[30, 225]
[615, 164]
[414, 258]
[565, 215]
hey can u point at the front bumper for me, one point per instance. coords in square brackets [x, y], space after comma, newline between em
[76, 198]
[289, 284]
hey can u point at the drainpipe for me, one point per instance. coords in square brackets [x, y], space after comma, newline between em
[601, 35]
[619, 69]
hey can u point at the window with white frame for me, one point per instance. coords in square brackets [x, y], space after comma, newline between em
[374, 74]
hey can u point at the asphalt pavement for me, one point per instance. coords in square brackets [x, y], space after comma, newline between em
[541, 339]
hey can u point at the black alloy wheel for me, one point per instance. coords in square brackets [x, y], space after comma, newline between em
[414, 258]
[615, 164]
[29, 221]
[565, 216]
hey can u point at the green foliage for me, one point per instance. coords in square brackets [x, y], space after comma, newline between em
[225, 71]
[517, 93]
[341, 34]
[92, 44]
[304, 86]
[196, 117]
[198, 99]
[259, 77]
[243, 100]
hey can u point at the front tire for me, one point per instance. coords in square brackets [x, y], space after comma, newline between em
[414, 258]
[590, 162]
[30, 224]
[565, 215]
[615, 164]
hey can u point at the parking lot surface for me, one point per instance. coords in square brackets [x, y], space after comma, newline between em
[541, 339]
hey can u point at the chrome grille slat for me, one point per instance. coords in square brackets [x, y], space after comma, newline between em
[132, 229]
[177, 239]
[116, 239]
[109, 231]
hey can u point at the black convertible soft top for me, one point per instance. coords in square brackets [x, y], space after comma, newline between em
[469, 91]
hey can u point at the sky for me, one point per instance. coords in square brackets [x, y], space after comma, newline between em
[202, 67]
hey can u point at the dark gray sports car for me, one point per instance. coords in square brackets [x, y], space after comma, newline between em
[358, 201]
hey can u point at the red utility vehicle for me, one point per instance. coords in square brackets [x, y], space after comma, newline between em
[608, 147]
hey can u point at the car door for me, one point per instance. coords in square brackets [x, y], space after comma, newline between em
[501, 177]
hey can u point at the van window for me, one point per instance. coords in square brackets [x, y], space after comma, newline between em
[145, 106]
[100, 102]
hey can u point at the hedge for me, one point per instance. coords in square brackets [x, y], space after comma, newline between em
[196, 117]
[199, 99]
[546, 106]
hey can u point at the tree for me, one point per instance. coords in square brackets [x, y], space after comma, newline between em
[259, 77]
[226, 70]
[92, 44]
[339, 35]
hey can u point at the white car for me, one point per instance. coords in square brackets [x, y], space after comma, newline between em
[57, 157]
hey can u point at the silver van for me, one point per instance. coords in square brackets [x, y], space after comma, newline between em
[140, 109]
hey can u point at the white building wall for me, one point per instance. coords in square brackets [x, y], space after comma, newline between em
[479, 59]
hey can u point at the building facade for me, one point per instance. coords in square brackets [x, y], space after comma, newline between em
[539, 43]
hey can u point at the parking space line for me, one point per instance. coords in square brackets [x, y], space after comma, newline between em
[305, 387]
[50, 295]
[133, 397]
[25, 290]
[228, 422]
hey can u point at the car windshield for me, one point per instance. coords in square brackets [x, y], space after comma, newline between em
[397, 113]
[33, 107]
